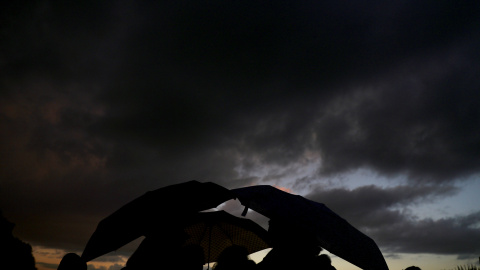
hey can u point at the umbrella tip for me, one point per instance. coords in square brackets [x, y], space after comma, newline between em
[245, 210]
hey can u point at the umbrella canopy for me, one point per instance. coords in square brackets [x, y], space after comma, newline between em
[215, 231]
[151, 212]
[328, 229]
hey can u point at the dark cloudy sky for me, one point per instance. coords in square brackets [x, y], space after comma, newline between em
[371, 107]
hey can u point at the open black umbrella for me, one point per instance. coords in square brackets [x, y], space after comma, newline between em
[215, 231]
[149, 213]
[327, 228]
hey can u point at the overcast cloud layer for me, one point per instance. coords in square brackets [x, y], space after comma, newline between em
[101, 102]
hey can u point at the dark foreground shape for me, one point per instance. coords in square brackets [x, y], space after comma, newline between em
[72, 261]
[150, 213]
[201, 239]
[216, 231]
[14, 253]
[234, 258]
[330, 231]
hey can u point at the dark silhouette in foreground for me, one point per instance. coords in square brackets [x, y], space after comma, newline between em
[292, 248]
[14, 253]
[413, 268]
[315, 221]
[323, 262]
[72, 261]
[191, 258]
[153, 212]
[171, 219]
[234, 258]
[156, 251]
[216, 231]
[191, 244]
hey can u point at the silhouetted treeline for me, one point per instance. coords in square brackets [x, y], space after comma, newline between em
[14, 253]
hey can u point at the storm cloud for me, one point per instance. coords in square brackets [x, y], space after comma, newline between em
[101, 102]
[385, 215]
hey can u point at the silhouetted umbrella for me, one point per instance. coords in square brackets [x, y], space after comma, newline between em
[215, 231]
[152, 213]
[330, 231]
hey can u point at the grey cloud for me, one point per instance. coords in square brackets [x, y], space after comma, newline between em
[268, 74]
[104, 101]
[372, 206]
[381, 213]
[452, 236]
[418, 123]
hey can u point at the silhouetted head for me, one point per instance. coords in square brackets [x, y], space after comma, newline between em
[233, 254]
[285, 235]
[72, 261]
[233, 257]
[324, 259]
[413, 268]
[191, 257]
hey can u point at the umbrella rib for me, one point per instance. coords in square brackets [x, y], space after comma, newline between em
[210, 237]
[203, 234]
[226, 233]
[209, 246]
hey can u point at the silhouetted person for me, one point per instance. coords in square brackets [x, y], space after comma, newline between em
[323, 262]
[158, 250]
[191, 257]
[292, 248]
[234, 258]
[14, 253]
[72, 261]
[413, 268]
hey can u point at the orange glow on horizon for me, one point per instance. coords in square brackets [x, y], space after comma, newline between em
[288, 190]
